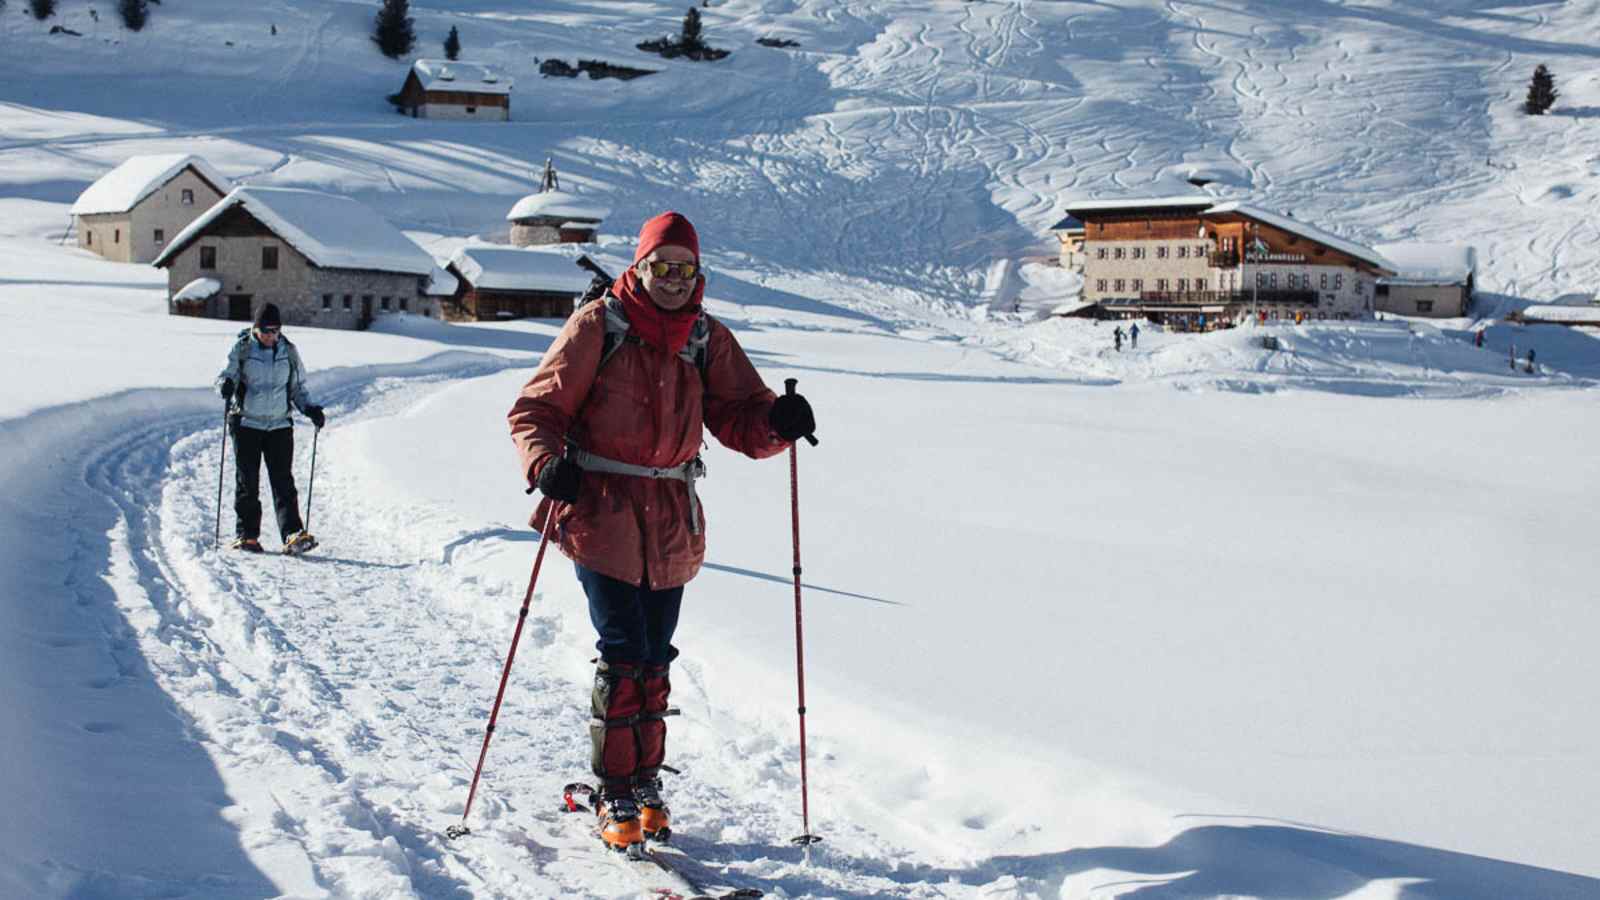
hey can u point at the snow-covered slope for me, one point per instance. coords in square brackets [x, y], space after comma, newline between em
[1198, 619]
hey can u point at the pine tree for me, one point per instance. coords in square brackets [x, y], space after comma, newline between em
[452, 44]
[1541, 92]
[392, 30]
[42, 9]
[691, 28]
[134, 13]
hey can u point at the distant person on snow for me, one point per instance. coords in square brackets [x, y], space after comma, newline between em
[1133, 335]
[1117, 337]
[263, 378]
[1530, 360]
[609, 429]
[1479, 337]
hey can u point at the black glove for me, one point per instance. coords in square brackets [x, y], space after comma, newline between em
[560, 479]
[314, 413]
[227, 388]
[791, 417]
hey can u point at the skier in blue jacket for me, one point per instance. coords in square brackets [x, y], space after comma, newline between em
[263, 379]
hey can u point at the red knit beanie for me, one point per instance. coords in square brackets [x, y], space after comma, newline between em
[667, 228]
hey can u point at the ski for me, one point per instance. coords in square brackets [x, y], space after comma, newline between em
[663, 871]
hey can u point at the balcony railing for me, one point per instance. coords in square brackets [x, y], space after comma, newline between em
[1222, 259]
[1227, 298]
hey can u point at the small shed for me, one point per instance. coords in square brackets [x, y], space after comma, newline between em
[555, 217]
[130, 213]
[510, 283]
[446, 89]
[1433, 280]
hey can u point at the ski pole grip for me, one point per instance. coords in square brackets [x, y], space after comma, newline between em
[788, 390]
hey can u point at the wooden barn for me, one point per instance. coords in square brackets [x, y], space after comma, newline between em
[510, 283]
[442, 89]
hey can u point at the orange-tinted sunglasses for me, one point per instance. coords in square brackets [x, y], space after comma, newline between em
[684, 271]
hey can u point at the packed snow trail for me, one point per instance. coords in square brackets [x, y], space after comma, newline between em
[343, 694]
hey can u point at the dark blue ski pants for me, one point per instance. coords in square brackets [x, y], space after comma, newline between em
[634, 622]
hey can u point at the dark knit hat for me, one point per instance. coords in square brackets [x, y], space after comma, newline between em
[267, 316]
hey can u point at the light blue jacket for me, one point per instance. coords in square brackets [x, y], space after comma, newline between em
[266, 381]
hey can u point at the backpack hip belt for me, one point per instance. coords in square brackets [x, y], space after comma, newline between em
[687, 473]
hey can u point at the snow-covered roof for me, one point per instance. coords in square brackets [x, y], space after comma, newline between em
[121, 189]
[1190, 201]
[448, 75]
[1418, 263]
[441, 283]
[557, 204]
[333, 232]
[1585, 314]
[514, 269]
[1366, 254]
[199, 289]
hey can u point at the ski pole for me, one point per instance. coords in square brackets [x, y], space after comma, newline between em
[312, 486]
[460, 829]
[806, 839]
[222, 465]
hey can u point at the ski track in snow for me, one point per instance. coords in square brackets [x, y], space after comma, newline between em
[343, 696]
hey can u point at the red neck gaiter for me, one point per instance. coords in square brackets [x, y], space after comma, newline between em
[664, 329]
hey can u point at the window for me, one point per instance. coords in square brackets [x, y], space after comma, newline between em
[1183, 251]
[1161, 253]
[1338, 281]
[1099, 253]
[1272, 281]
[1117, 253]
[347, 299]
[1100, 284]
[405, 304]
[208, 257]
[1138, 284]
[269, 257]
[90, 236]
[1294, 281]
[471, 110]
[161, 235]
[1161, 284]
[1324, 280]
[384, 304]
[1121, 285]
[1138, 253]
[1424, 306]
[1199, 251]
[1183, 284]
[116, 235]
[327, 301]
[1261, 279]
[187, 197]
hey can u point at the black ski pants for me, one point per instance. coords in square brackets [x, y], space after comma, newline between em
[249, 446]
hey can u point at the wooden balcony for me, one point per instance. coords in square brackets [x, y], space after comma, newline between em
[1228, 298]
[1223, 259]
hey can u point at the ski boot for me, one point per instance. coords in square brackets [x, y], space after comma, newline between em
[250, 545]
[655, 819]
[298, 543]
[619, 821]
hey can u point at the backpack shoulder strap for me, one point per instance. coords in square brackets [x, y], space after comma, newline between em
[617, 333]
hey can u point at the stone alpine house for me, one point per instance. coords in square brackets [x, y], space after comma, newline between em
[130, 213]
[325, 260]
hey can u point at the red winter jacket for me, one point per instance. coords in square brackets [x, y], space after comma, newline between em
[648, 408]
